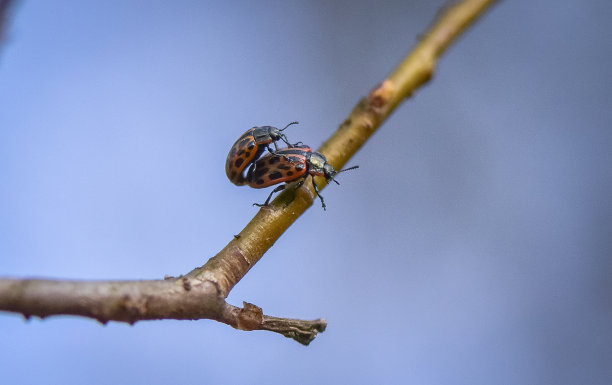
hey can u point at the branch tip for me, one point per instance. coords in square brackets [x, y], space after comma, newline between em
[301, 331]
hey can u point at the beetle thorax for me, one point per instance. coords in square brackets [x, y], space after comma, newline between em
[317, 163]
[264, 133]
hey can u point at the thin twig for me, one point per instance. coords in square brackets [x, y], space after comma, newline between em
[201, 293]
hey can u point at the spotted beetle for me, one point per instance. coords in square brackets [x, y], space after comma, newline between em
[249, 147]
[288, 165]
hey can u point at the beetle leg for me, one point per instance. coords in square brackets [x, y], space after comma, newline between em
[279, 188]
[276, 153]
[284, 139]
[316, 188]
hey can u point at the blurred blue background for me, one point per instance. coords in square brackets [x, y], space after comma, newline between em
[473, 245]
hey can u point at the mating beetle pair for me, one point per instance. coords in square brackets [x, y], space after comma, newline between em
[285, 165]
[249, 147]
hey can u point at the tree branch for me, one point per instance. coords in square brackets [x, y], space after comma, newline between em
[180, 298]
[201, 293]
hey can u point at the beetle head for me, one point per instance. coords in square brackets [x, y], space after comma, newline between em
[329, 170]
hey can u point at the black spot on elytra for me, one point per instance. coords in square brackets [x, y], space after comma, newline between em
[261, 172]
[233, 152]
[239, 162]
[299, 167]
[274, 159]
[275, 175]
[251, 145]
[247, 154]
[241, 152]
[289, 173]
[259, 181]
[284, 167]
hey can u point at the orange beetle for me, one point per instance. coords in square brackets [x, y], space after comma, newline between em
[249, 147]
[288, 165]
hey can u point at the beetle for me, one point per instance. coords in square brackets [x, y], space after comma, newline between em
[249, 147]
[288, 165]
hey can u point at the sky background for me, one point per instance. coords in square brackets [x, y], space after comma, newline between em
[472, 246]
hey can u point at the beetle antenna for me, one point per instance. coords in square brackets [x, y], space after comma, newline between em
[346, 169]
[338, 172]
[292, 123]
